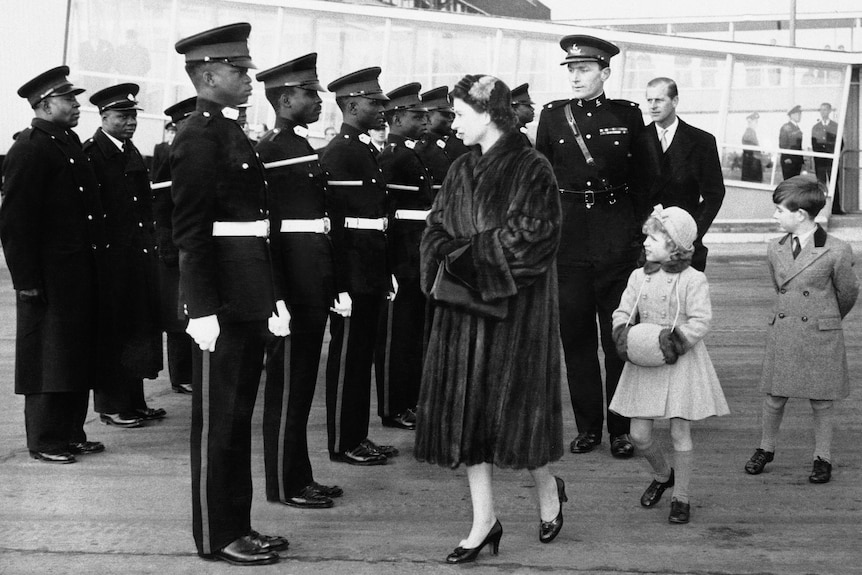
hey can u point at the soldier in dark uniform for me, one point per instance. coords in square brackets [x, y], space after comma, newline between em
[172, 319]
[524, 112]
[439, 147]
[302, 256]
[357, 209]
[162, 150]
[398, 358]
[790, 138]
[133, 337]
[605, 177]
[52, 230]
[221, 225]
[824, 136]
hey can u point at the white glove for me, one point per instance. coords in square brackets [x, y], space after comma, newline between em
[394, 292]
[342, 305]
[279, 323]
[205, 331]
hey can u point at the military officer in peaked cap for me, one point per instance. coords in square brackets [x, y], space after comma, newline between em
[604, 165]
[221, 226]
[524, 112]
[439, 147]
[132, 334]
[302, 256]
[358, 212]
[52, 230]
[401, 330]
[790, 138]
[172, 319]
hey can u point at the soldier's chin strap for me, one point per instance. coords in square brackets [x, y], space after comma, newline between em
[570, 118]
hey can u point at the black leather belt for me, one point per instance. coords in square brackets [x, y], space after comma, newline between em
[590, 197]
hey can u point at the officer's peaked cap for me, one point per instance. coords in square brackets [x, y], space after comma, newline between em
[299, 73]
[227, 44]
[406, 97]
[794, 110]
[521, 95]
[48, 84]
[582, 48]
[437, 99]
[119, 97]
[360, 83]
[181, 110]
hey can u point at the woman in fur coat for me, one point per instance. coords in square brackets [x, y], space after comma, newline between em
[491, 387]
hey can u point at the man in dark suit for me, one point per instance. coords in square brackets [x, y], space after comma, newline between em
[402, 323]
[52, 229]
[357, 209]
[220, 225]
[302, 256]
[605, 174]
[690, 175]
[823, 137]
[790, 138]
[524, 112]
[132, 334]
[162, 150]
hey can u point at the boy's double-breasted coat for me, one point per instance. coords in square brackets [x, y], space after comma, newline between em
[805, 355]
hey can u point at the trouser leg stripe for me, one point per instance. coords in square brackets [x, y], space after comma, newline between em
[205, 422]
[282, 422]
[339, 392]
[387, 354]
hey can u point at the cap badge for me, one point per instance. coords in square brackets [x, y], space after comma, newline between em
[574, 50]
[130, 97]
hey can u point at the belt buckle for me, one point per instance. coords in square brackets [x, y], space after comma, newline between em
[385, 224]
[589, 198]
[327, 226]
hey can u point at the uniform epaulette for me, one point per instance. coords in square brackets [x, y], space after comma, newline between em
[555, 104]
[621, 102]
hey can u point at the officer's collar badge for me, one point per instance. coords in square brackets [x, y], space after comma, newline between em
[365, 138]
[300, 131]
[230, 113]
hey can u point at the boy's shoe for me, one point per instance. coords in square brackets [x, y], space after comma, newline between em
[758, 461]
[822, 471]
[679, 512]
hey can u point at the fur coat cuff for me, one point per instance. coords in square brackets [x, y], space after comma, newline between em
[672, 345]
[621, 338]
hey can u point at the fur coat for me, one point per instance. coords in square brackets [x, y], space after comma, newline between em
[491, 389]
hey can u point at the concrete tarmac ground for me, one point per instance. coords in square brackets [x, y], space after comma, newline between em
[127, 511]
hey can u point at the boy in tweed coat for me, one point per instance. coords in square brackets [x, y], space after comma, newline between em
[815, 287]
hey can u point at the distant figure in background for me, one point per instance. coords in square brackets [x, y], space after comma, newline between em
[790, 138]
[134, 57]
[524, 112]
[378, 138]
[752, 166]
[162, 150]
[329, 133]
[823, 136]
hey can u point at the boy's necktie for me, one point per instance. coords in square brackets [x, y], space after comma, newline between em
[796, 247]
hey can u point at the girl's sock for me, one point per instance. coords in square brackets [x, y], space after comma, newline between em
[772, 416]
[824, 416]
[654, 456]
[682, 465]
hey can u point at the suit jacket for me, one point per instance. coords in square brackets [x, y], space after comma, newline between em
[690, 175]
[805, 355]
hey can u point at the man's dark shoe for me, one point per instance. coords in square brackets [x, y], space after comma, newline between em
[243, 551]
[86, 447]
[386, 450]
[758, 461]
[331, 491]
[150, 414]
[586, 442]
[359, 455]
[679, 512]
[404, 420]
[268, 543]
[121, 420]
[653, 493]
[64, 457]
[309, 498]
[822, 471]
[185, 388]
[621, 447]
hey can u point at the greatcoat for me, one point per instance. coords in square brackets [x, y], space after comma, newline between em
[491, 389]
[805, 355]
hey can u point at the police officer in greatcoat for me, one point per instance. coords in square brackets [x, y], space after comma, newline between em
[302, 256]
[358, 212]
[439, 147]
[604, 165]
[172, 319]
[221, 226]
[523, 104]
[133, 337]
[52, 230]
[398, 358]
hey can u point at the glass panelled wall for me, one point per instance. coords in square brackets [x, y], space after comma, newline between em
[743, 101]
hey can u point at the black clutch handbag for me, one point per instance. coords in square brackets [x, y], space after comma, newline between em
[449, 289]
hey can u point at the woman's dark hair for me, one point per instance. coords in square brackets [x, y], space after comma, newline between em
[486, 93]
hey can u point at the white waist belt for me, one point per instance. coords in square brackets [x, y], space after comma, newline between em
[379, 224]
[411, 214]
[436, 186]
[256, 229]
[318, 226]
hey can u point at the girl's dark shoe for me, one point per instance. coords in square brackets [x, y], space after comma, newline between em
[548, 530]
[822, 471]
[679, 512]
[462, 555]
[653, 493]
[758, 461]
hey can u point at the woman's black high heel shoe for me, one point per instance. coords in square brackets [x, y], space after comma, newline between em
[548, 530]
[462, 555]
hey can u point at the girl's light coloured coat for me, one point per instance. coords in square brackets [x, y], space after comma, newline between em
[689, 388]
[805, 355]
